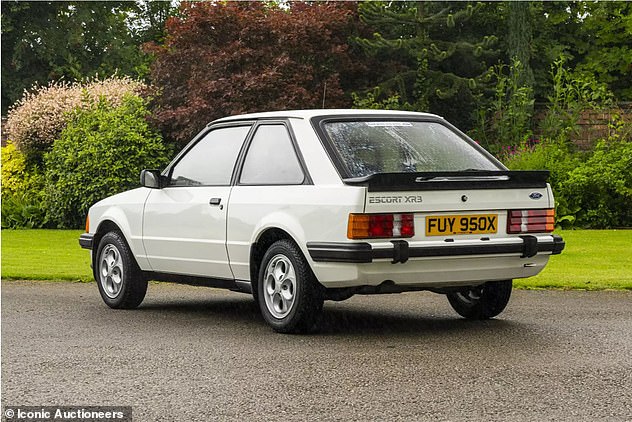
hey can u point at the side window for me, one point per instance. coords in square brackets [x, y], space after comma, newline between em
[211, 161]
[271, 159]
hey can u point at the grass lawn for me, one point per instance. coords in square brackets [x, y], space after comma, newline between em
[44, 255]
[593, 259]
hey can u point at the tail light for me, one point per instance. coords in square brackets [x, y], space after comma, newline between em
[88, 224]
[531, 221]
[375, 226]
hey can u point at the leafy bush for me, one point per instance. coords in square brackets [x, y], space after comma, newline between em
[572, 93]
[99, 153]
[21, 191]
[23, 210]
[17, 175]
[36, 120]
[554, 156]
[507, 120]
[592, 189]
[601, 188]
[370, 101]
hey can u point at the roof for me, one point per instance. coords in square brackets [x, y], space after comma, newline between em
[308, 114]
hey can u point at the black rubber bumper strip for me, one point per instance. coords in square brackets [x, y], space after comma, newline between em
[85, 240]
[342, 252]
[363, 252]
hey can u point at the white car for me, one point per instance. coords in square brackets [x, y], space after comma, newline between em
[298, 207]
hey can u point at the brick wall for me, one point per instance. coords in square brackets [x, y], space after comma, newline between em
[593, 125]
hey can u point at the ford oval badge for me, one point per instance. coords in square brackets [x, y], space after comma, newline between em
[535, 195]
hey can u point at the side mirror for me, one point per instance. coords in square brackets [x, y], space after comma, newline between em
[150, 179]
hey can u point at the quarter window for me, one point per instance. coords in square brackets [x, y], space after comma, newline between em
[211, 161]
[271, 159]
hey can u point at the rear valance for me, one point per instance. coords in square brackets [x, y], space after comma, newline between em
[451, 180]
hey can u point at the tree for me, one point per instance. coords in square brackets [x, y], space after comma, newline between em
[519, 40]
[227, 58]
[593, 37]
[606, 50]
[147, 20]
[432, 59]
[48, 41]
[44, 41]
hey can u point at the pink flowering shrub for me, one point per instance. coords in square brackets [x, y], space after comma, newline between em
[37, 119]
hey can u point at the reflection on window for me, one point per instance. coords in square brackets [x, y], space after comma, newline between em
[369, 147]
[271, 159]
[211, 161]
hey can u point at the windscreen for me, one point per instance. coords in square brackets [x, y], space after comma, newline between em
[369, 147]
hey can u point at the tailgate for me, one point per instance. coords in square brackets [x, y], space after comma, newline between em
[447, 204]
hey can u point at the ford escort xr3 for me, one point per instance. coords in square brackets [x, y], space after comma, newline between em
[299, 207]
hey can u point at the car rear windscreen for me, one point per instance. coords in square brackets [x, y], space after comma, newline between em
[370, 147]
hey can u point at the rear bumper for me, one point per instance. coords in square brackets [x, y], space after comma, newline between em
[400, 251]
[86, 240]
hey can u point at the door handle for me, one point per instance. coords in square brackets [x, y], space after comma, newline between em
[215, 201]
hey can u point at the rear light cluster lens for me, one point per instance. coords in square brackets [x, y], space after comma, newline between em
[375, 226]
[531, 221]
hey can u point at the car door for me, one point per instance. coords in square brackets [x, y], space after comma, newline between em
[184, 223]
[271, 185]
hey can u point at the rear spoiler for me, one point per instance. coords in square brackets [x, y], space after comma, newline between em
[451, 180]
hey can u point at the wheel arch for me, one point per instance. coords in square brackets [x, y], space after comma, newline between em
[259, 247]
[127, 220]
[105, 226]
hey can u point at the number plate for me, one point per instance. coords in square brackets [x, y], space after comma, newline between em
[461, 224]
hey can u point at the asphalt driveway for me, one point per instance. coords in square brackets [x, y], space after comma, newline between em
[204, 354]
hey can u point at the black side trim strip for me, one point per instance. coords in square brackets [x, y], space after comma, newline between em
[341, 252]
[222, 283]
[86, 240]
[244, 286]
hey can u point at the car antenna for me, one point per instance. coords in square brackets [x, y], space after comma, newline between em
[324, 93]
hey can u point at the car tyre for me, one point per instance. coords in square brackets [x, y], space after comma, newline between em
[120, 280]
[481, 302]
[290, 297]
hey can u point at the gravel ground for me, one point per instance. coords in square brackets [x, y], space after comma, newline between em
[197, 354]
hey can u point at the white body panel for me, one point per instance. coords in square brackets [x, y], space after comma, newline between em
[184, 234]
[126, 211]
[304, 212]
[441, 201]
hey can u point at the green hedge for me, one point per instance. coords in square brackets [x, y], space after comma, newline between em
[100, 153]
[592, 189]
